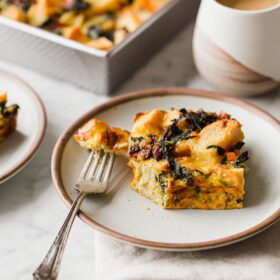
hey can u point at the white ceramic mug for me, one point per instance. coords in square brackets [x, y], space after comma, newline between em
[238, 51]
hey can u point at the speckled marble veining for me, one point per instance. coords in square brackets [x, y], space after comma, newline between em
[31, 212]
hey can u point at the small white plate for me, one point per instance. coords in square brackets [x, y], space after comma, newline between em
[19, 147]
[126, 215]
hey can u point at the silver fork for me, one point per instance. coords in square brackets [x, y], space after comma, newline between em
[94, 178]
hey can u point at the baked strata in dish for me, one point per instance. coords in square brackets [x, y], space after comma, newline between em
[98, 135]
[179, 158]
[97, 23]
[8, 117]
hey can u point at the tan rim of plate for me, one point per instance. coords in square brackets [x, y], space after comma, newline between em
[42, 120]
[59, 148]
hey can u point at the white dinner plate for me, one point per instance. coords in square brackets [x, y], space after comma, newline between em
[19, 147]
[126, 215]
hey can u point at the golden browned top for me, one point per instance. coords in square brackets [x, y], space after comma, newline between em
[187, 143]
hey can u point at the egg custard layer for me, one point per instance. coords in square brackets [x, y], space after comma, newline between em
[186, 159]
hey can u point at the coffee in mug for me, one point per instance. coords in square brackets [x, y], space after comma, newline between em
[249, 4]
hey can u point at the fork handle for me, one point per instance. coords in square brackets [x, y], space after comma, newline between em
[49, 268]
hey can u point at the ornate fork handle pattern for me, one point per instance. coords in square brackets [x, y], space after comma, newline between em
[48, 269]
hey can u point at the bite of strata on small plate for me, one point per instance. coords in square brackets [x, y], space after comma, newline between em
[8, 116]
[179, 158]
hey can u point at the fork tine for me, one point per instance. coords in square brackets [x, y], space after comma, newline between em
[109, 167]
[97, 157]
[96, 172]
[101, 168]
[87, 165]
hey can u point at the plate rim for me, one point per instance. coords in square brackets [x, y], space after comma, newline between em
[42, 129]
[147, 93]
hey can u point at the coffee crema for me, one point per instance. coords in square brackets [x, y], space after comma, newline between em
[249, 4]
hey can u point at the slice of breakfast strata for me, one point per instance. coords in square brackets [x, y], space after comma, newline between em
[179, 158]
[186, 159]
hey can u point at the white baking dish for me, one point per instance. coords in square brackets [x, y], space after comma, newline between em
[98, 71]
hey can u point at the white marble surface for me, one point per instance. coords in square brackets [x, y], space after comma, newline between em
[31, 211]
